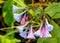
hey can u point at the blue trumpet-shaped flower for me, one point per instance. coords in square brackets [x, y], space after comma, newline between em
[24, 34]
[38, 32]
[49, 27]
[20, 28]
[15, 8]
[44, 30]
[31, 35]
[17, 17]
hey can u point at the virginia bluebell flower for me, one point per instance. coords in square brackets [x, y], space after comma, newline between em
[15, 8]
[38, 32]
[17, 17]
[49, 27]
[44, 30]
[31, 34]
[24, 33]
[20, 28]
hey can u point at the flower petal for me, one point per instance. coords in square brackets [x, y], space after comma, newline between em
[31, 35]
[43, 30]
[23, 20]
[17, 17]
[38, 32]
[24, 34]
[47, 34]
[48, 26]
[20, 28]
[15, 8]
[26, 17]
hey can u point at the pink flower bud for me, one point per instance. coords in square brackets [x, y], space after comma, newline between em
[43, 30]
[26, 17]
[23, 20]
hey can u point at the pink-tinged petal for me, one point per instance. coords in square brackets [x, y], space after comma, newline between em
[17, 17]
[31, 35]
[26, 17]
[43, 30]
[23, 20]
[33, 30]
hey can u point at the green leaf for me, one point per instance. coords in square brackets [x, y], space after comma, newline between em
[31, 12]
[21, 3]
[11, 36]
[52, 10]
[15, 40]
[40, 40]
[5, 39]
[38, 10]
[51, 40]
[7, 13]
[56, 30]
[57, 15]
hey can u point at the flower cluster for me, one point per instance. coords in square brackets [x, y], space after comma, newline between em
[43, 30]
[22, 17]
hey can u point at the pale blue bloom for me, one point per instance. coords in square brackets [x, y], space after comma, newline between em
[15, 8]
[49, 27]
[21, 28]
[24, 34]
[39, 33]
[47, 34]
[30, 35]
[17, 17]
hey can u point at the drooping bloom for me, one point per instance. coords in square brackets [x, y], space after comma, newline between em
[21, 28]
[44, 30]
[38, 32]
[49, 27]
[31, 35]
[18, 17]
[24, 34]
[15, 8]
